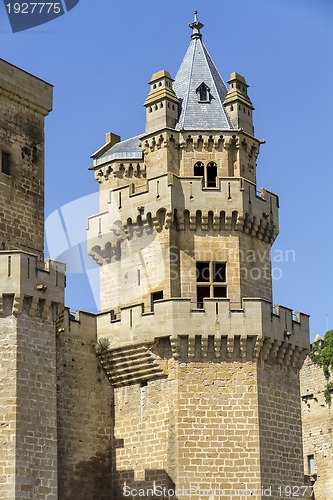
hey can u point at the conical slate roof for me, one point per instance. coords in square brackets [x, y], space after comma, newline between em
[197, 68]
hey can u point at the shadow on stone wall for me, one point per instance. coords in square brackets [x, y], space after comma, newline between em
[157, 484]
[89, 479]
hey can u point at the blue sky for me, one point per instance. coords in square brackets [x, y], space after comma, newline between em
[100, 56]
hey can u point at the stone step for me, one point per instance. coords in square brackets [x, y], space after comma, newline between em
[131, 366]
[126, 360]
[125, 370]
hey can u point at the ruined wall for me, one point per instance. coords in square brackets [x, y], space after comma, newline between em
[84, 399]
[317, 420]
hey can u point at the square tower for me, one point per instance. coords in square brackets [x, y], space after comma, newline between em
[25, 101]
[31, 295]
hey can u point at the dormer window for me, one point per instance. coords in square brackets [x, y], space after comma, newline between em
[203, 93]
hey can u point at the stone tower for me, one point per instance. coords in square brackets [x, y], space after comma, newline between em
[31, 295]
[205, 371]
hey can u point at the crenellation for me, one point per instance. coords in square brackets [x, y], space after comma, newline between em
[23, 275]
[252, 214]
[217, 319]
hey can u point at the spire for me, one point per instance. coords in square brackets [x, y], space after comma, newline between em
[196, 27]
[200, 88]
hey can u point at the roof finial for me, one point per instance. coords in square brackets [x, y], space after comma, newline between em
[196, 27]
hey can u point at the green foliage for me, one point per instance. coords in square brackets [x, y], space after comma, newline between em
[327, 393]
[101, 345]
[322, 355]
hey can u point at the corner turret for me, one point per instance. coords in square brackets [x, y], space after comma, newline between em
[161, 103]
[238, 104]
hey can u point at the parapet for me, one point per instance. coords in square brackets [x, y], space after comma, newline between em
[30, 285]
[80, 324]
[217, 332]
[25, 88]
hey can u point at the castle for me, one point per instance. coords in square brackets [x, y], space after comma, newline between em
[194, 391]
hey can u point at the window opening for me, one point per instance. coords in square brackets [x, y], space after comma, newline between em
[203, 272]
[203, 93]
[208, 173]
[211, 281]
[211, 174]
[311, 465]
[219, 272]
[199, 169]
[203, 292]
[155, 296]
[220, 292]
[5, 163]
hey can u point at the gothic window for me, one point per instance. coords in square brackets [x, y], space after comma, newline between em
[5, 163]
[208, 173]
[203, 93]
[199, 169]
[211, 174]
[211, 281]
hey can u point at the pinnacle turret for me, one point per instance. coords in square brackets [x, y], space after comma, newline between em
[196, 27]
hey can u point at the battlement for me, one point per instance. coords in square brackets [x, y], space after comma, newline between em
[236, 193]
[241, 208]
[29, 283]
[216, 331]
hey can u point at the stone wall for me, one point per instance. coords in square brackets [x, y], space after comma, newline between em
[144, 447]
[280, 428]
[8, 369]
[85, 400]
[230, 427]
[317, 420]
[217, 429]
[24, 101]
[144, 268]
[28, 407]
[36, 421]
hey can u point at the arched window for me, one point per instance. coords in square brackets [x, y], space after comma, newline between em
[211, 174]
[203, 93]
[208, 173]
[199, 169]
